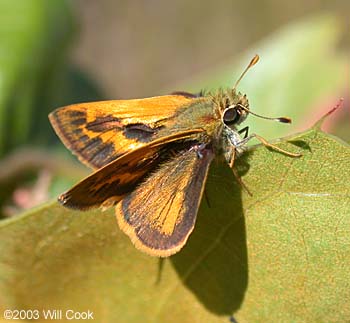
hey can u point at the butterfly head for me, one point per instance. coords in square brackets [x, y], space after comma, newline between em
[234, 113]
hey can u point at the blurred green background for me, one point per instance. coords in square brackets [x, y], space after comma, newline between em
[54, 53]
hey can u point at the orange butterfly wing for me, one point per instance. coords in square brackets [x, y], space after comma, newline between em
[99, 132]
[160, 214]
[111, 183]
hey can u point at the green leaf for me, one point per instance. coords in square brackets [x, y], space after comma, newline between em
[299, 69]
[279, 255]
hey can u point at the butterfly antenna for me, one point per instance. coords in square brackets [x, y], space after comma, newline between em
[254, 60]
[279, 119]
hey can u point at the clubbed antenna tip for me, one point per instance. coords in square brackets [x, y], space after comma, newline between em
[284, 120]
[254, 60]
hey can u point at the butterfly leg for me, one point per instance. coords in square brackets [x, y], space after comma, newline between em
[198, 149]
[245, 131]
[234, 170]
[267, 144]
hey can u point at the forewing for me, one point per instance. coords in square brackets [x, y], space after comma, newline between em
[99, 132]
[109, 184]
[160, 214]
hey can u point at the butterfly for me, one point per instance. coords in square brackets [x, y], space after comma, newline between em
[151, 158]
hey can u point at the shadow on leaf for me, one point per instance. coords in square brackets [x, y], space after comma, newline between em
[213, 264]
[301, 143]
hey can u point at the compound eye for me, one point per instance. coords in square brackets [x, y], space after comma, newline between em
[231, 115]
